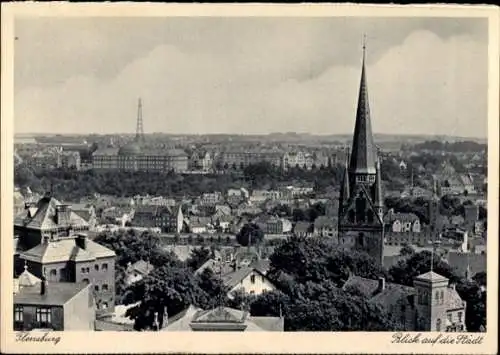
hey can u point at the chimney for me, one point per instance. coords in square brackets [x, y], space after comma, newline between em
[381, 284]
[63, 213]
[43, 285]
[81, 241]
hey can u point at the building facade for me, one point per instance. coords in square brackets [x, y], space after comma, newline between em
[52, 243]
[133, 157]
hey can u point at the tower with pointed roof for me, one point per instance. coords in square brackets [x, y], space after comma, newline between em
[361, 203]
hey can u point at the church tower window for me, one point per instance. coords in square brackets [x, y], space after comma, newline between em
[361, 209]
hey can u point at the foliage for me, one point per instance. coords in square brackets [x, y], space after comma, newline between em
[316, 260]
[251, 234]
[405, 271]
[407, 250]
[131, 247]
[475, 298]
[167, 291]
[198, 257]
[322, 307]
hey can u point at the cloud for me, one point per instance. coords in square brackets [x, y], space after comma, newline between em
[266, 82]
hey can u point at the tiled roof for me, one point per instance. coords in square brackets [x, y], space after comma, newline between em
[370, 287]
[142, 267]
[431, 276]
[66, 249]
[56, 294]
[393, 295]
[232, 279]
[44, 216]
[302, 227]
[261, 265]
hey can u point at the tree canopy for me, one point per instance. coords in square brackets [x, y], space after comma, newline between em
[250, 234]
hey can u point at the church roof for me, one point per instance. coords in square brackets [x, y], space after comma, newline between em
[363, 154]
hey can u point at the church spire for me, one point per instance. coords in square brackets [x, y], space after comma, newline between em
[363, 151]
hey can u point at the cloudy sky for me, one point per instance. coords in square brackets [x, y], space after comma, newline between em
[250, 75]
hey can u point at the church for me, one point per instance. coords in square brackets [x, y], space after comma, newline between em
[361, 205]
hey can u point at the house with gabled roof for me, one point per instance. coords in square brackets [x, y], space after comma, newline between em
[248, 279]
[169, 219]
[47, 218]
[137, 271]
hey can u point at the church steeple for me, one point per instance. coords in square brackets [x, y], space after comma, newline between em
[363, 157]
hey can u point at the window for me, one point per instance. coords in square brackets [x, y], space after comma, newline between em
[86, 281]
[53, 272]
[18, 318]
[361, 239]
[105, 287]
[437, 297]
[96, 267]
[438, 325]
[449, 316]
[442, 297]
[252, 279]
[459, 314]
[87, 269]
[96, 288]
[44, 317]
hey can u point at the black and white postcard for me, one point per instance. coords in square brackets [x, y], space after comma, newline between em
[324, 177]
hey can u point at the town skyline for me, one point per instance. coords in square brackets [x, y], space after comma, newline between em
[308, 85]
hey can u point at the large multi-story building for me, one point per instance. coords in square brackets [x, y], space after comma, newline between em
[69, 159]
[169, 219]
[133, 157]
[361, 202]
[51, 241]
[241, 158]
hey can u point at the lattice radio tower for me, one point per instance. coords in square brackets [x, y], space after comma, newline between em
[139, 135]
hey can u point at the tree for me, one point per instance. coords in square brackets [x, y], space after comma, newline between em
[407, 250]
[419, 263]
[167, 290]
[298, 215]
[316, 260]
[250, 234]
[198, 257]
[475, 298]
